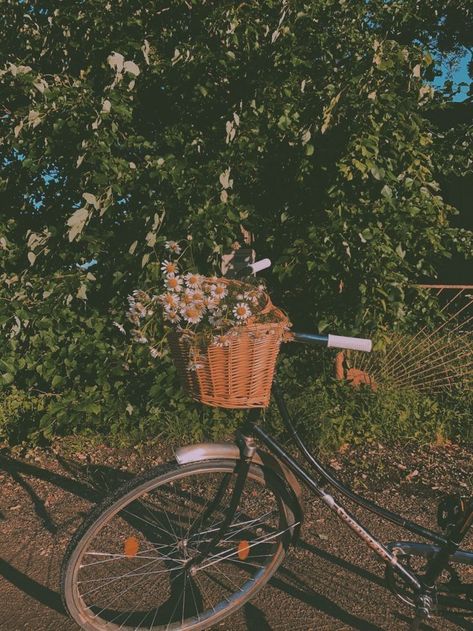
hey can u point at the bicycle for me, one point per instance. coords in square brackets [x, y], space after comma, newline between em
[187, 544]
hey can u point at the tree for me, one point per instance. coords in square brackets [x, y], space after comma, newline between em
[122, 123]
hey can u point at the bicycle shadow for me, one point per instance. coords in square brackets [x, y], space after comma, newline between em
[77, 486]
[30, 559]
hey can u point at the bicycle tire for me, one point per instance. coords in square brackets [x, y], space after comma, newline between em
[95, 617]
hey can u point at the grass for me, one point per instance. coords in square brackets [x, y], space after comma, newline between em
[328, 413]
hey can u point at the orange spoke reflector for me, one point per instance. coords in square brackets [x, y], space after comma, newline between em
[243, 550]
[131, 546]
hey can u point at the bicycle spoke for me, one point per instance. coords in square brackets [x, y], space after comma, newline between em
[174, 611]
[228, 578]
[153, 524]
[136, 573]
[132, 612]
[219, 557]
[193, 597]
[243, 524]
[184, 597]
[205, 594]
[115, 579]
[124, 592]
[120, 557]
[169, 522]
[200, 516]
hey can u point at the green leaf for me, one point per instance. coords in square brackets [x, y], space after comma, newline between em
[8, 377]
[56, 381]
[76, 222]
[386, 191]
[377, 173]
[400, 252]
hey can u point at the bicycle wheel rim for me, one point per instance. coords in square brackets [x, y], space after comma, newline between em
[95, 619]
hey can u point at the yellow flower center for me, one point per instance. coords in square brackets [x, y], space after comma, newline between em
[241, 311]
[170, 268]
[191, 312]
[172, 282]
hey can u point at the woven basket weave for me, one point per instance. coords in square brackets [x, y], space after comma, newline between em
[237, 375]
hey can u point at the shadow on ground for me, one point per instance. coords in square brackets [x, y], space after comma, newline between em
[327, 582]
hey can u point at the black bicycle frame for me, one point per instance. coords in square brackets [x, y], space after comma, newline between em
[446, 545]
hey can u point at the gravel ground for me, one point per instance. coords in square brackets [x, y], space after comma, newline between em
[330, 581]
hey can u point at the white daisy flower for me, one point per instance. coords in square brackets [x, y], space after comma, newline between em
[198, 295]
[194, 281]
[139, 310]
[173, 283]
[216, 314]
[133, 318]
[251, 296]
[191, 313]
[120, 327]
[193, 296]
[211, 303]
[220, 341]
[173, 246]
[218, 291]
[194, 365]
[172, 316]
[187, 297]
[215, 318]
[241, 311]
[169, 301]
[169, 267]
[142, 296]
[141, 339]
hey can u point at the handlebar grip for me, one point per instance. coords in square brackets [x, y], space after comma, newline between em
[259, 265]
[352, 343]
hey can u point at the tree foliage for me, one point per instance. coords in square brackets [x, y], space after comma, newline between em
[305, 122]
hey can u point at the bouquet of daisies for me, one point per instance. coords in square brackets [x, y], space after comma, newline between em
[189, 302]
[210, 323]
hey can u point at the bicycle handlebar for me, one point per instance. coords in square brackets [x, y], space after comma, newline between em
[253, 268]
[332, 341]
[257, 266]
[335, 341]
[353, 343]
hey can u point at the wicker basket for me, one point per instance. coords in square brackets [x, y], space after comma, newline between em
[237, 375]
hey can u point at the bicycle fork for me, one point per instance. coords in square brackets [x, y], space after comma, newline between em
[247, 450]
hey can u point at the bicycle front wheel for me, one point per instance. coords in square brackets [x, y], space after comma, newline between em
[129, 565]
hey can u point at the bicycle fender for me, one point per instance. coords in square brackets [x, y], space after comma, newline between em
[215, 451]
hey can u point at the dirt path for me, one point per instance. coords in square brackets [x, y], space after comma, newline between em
[329, 582]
